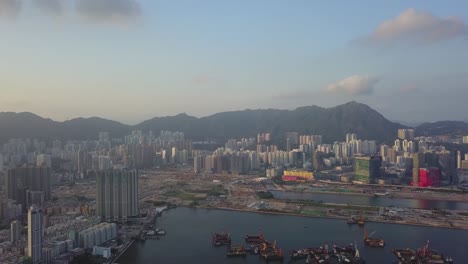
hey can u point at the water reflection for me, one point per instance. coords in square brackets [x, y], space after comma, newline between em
[373, 201]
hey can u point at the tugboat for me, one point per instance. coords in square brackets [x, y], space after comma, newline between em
[221, 239]
[361, 220]
[373, 242]
[351, 221]
[160, 232]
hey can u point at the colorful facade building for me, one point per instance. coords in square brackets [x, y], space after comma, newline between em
[297, 175]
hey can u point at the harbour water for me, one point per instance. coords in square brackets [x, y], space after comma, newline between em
[188, 238]
[372, 201]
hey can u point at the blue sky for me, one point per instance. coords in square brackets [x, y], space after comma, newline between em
[131, 60]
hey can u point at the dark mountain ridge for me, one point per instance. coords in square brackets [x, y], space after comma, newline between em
[442, 128]
[333, 123]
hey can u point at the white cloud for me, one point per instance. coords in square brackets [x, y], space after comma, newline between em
[418, 26]
[50, 7]
[10, 8]
[109, 10]
[353, 85]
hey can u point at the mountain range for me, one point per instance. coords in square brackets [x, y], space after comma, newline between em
[333, 123]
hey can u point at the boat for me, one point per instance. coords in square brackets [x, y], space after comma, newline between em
[221, 239]
[318, 259]
[405, 255]
[351, 221]
[300, 254]
[236, 251]
[360, 221]
[421, 255]
[255, 239]
[277, 255]
[160, 232]
[349, 249]
[373, 242]
[350, 254]
[428, 255]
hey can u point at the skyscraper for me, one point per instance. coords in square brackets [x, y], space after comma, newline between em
[117, 194]
[84, 161]
[407, 134]
[15, 231]
[104, 137]
[350, 137]
[419, 161]
[35, 234]
[28, 178]
[367, 168]
[465, 139]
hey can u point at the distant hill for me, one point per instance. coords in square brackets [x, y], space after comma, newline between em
[333, 123]
[28, 125]
[442, 128]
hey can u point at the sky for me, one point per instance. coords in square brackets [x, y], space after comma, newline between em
[130, 60]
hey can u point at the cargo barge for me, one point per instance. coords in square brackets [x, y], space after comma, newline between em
[255, 239]
[421, 255]
[236, 251]
[323, 255]
[373, 242]
[405, 255]
[428, 255]
[221, 239]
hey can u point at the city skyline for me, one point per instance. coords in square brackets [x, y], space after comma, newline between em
[69, 58]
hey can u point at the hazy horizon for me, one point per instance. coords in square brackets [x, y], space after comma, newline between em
[129, 61]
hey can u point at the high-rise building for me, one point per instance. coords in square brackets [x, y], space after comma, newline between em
[34, 197]
[84, 161]
[459, 159]
[293, 138]
[15, 231]
[429, 177]
[104, 162]
[367, 168]
[465, 139]
[104, 137]
[419, 161]
[383, 151]
[35, 234]
[28, 178]
[351, 137]
[44, 160]
[198, 162]
[407, 134]
[117, 194]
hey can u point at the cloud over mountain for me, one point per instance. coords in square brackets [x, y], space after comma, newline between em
[353, 85]
[10, 8]
[109, 10]
[417, 26]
